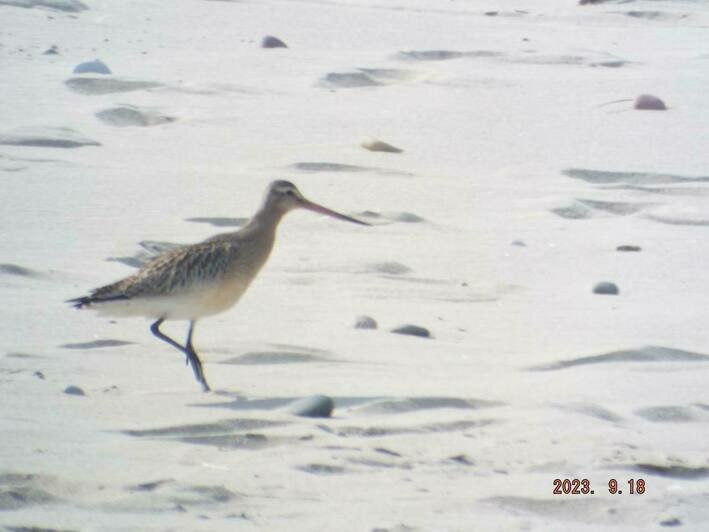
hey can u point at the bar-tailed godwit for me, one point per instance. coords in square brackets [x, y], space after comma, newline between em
[202, 279]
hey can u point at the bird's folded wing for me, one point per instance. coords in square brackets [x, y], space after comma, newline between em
[174, 271]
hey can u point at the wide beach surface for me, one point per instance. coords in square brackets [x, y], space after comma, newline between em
[524, 167]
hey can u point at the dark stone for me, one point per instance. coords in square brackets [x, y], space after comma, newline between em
[628, 248]
[92, 67]
[365, 322]
[269, 41]
[606, 288]
[313, 406]
[412, 330]
[74, 390]
[648, 102]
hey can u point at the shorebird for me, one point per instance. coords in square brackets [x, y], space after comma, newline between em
[203, 279]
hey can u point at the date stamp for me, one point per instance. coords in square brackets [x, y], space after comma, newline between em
[575, 486]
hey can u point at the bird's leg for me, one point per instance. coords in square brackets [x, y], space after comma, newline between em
[188, 350]
[155, 329]
[194, 359]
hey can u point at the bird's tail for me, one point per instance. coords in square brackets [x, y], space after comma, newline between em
[97, 296]
[81, 302]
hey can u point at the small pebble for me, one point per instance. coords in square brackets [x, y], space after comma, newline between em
[39, 375]
[519, 243]
[74, 390]
[671, 522]
[412, 330]
[313, 406]
[372, 144]
[52, 50]
[92, 67]
[269, 41]
[606, 288]
[648, 102]
[365, 322]
[628, 248]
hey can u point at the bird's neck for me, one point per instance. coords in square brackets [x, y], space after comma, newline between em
[266, 219]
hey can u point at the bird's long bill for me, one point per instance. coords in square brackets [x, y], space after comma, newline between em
[306, 204]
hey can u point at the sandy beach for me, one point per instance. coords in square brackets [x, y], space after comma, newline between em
[547, 237]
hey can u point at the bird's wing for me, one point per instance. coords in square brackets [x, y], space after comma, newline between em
[173, 271]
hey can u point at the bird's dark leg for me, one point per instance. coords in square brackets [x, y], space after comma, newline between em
[155, 329]
[194, 359]
[188, 350]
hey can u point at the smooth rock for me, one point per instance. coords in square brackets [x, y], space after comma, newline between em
[313, 406]
[519, 243]
[648, 102]
[673, 521]
[269, 41]
[628, 247]
[74, 390]
[606, 288]
[365, 322]
[372, 144]
[412, 330]
[52, 50]
[92, 67]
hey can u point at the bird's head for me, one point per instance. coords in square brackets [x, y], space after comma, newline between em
[284, 196]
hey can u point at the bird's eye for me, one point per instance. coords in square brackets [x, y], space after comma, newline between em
[290, 192]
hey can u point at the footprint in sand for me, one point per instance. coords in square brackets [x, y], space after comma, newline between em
[68, 6]
[96, 344]
[98, 86]
[369, 77]
[19, 491]
[265, 358]
[228, 433]
[671, 414]
[643, 354]
[46, 137]
[602, 177]
[128, 115]
[444, 55]
[583, 209]
[20, 271]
